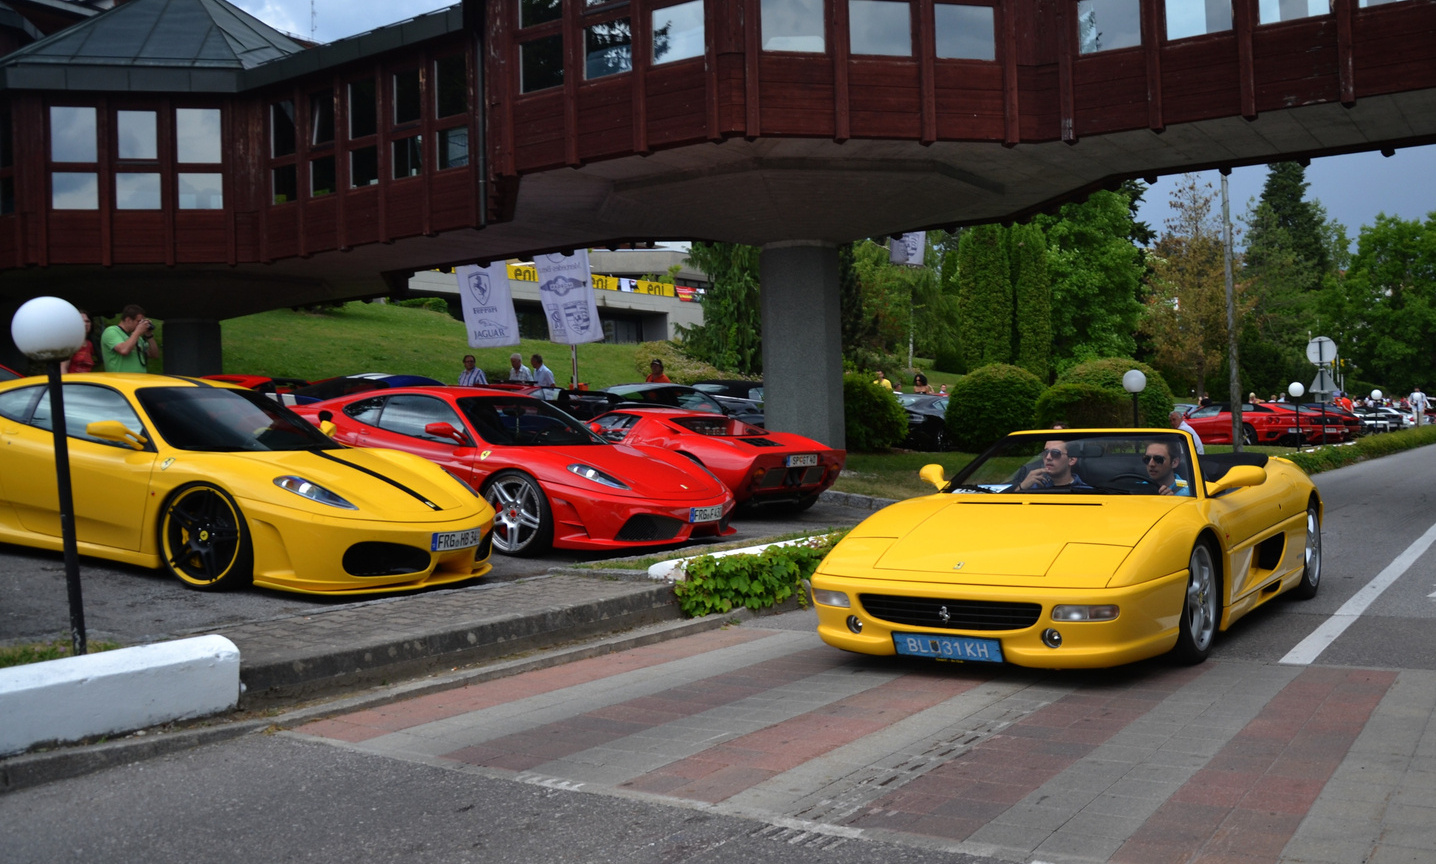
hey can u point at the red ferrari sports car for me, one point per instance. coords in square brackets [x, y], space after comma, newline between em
[761, 467]
[550, 479]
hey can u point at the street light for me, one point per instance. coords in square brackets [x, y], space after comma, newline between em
[1296, 390]
[1376, 395]
[1134, 382]
[50, 329]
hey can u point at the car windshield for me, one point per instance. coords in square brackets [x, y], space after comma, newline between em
[221, 420]
[516, 421]
[1084, 464]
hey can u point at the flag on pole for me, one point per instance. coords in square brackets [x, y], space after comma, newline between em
[908, 248]
[488, 306]
[566, 290]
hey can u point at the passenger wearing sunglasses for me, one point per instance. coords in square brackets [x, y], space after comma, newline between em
[1057, 471]
[1162, 459]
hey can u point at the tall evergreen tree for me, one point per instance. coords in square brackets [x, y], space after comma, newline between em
[985, 296]
[1033, 300]
[1301, 223]
[731, 335]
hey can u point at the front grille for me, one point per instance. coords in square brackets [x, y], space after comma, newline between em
[646, 527]
[788, 478]
[373, 558]
[962, 614]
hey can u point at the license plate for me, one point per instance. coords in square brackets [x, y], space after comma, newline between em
[948, 647]
[802, 460]
[706, 514]
[447, 541]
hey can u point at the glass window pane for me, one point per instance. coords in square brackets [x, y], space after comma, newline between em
[1192, 18]
[451, 85]
[281, 128]
[7, 152]
[1365, 3]
[364, 167]
[137, 191]
[533, 12]
[7, 195]
[321, 117]
[201, 191]
[678, 32]
[286, 184]
[197, 135]
[1106, 25]
[454, 147]
[74, 190]
[407, 102]
[363, 111]
[321, 177]
[793, 25]
[965, 32]
[72, 134]
[1273, 11]
[608, 49]
[408, 157]
[541, 64]
[136, 133]
[880, 27]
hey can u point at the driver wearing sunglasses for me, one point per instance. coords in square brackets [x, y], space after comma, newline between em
[1057, 470]
[1162, 459]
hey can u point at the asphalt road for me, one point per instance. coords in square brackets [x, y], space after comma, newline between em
[132, 605]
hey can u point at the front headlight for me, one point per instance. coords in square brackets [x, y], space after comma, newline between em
[1105, 612]
[588, 472]
[313, 491]
[831, 598]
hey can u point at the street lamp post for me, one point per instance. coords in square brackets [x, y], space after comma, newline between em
[1297, 390]
[1134, 382]
[50, 329]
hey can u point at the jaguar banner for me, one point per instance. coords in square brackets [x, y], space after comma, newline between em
[908, 248]
[566, 290]
[488, 306]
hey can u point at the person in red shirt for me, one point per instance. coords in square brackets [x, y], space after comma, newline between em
[83, 360]
[655, 374]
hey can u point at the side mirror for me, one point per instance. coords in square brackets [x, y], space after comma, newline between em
[934, 475]
[1238, 476]
[447, 430]
[326, 423]
[116, 432]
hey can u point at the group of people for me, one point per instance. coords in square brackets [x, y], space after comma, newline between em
[919, 384]
[539, 375]
[1161, 459]
[125, 346]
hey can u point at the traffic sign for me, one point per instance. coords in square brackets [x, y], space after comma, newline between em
[1321, 351]
[1323, 383]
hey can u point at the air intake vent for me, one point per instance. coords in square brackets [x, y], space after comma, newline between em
[960, 614]
[373, 558]
[646, 527]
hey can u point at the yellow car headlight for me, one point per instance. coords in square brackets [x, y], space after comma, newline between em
[313, 491]
[1105, 612]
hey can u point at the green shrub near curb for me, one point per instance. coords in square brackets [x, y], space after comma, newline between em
[1340, 455]
[720, 584]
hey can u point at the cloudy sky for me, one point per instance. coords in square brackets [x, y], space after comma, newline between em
[1353, 189]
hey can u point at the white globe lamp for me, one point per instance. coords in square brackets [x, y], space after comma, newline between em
[47, 328]
[1134, 382]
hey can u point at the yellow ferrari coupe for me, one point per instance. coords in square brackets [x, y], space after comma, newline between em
[224, 487]
[1074, 549]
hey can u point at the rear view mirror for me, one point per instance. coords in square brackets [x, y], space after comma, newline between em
[116, 432]
[447, 430]
[934, 474]
[1239, 475]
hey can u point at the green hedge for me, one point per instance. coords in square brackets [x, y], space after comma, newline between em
[990, 402]
[1339, 455]
[433, 304]
[1078, 406]
[722, 583]
[873, 418]
[1155, 401]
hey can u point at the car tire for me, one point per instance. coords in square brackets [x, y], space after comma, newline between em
[523, 522]
[1249, 436]
[204, 540]
[1200, 607]
[1311, 571]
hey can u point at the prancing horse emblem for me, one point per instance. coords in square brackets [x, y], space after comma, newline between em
[958, 565]
[944, 614]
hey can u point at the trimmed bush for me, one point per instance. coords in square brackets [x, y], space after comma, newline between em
[989, 403]
[1082, 406]
[873, 418]
[1369, 447]
[720, 583]
[1154, 403]
[433, 304]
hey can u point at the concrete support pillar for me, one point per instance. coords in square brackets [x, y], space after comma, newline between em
[802, 341]
[192, 346]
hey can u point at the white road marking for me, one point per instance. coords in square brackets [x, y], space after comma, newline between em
[1311, 647]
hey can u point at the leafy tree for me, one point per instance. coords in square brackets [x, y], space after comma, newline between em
[1154, 402]
[1033, 300]
[990, 402]
[1301, 222]
[731, 335]
[984, 275]
[859, 331]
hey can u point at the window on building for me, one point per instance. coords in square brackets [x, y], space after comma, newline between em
[137, 191]
[451, 86]
[281, 128]
[965, 32]
[533, 12]
[198, 138]
[1106, 25]
[7, 195]
[7, 163]
[1365, 3]
[72, 134]
[201, 191]
[608, 48]
[74, 190]
[541, 64]
[321, 117]
[1197, 17]
[793, 25]
[453, 147]
[286, 184]
[364, 167]
[1272, 11]
[881, 27]
[136, 135]
[363, 110]
[678, 32]
[321, 176]
[408, 104]
[408, 157]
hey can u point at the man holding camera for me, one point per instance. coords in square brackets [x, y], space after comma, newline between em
[129, 345]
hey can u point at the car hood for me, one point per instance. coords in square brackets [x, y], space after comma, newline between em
[381, 483]
[1000, 540]
[649, 472]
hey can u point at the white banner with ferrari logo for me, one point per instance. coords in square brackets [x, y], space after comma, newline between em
[488, 305]
[566, 290]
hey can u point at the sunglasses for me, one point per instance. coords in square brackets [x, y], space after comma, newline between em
[1148, 460]
[1054, 453]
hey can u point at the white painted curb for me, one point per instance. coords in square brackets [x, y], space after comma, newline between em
[116, 691]
[674, 571]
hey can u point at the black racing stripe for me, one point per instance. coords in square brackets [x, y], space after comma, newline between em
[198, 381]
[391, 481]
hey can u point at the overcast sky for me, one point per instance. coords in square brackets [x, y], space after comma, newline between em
[1353, 189]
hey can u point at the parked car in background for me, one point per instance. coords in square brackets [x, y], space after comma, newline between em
[329, 388]
[750, 391]
[552, 481]
[926, 422]
[1270, 423]
[760, 467]
[1376, 421]
[261, 383]
[691, 399]
[1355, 428]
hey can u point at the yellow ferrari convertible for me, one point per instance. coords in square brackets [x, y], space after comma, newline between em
[1095, 548]
[224, 487]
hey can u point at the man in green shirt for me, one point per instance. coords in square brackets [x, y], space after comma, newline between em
[129, 345]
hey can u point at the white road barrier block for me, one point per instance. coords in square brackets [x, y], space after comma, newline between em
[116, 691]
[674, 570]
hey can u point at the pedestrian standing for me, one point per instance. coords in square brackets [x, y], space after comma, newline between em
[543, 376]
[1418, 403]
[129, 345]
[472, 376]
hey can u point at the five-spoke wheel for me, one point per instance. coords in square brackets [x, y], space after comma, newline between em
[1311, 573]
[204, 539]
[1200, 609]
[523, 523]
